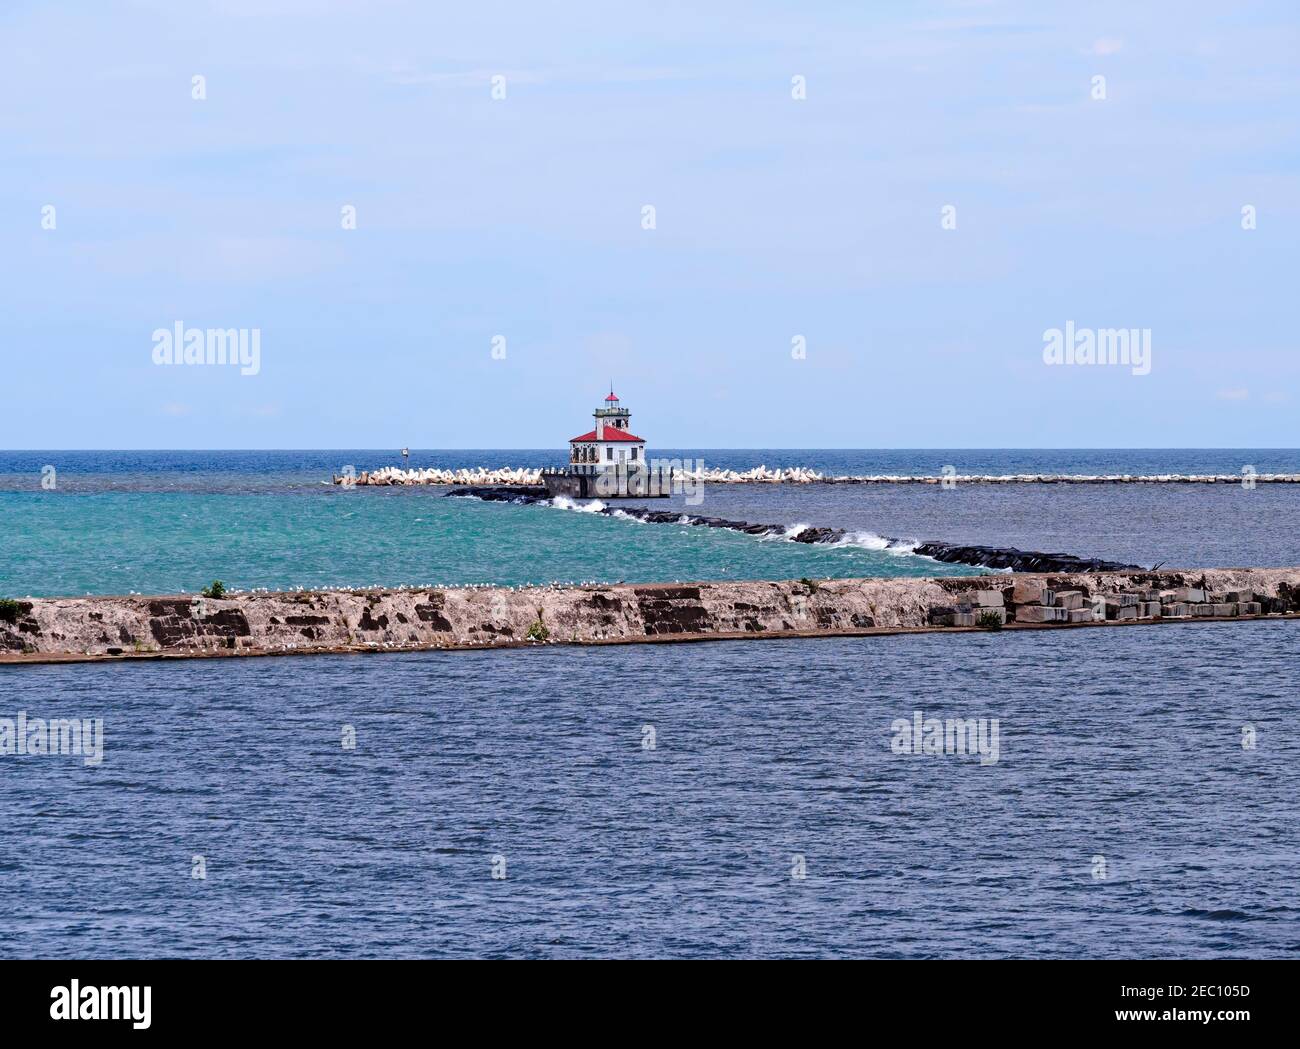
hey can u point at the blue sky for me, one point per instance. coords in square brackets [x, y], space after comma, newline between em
[775, 217]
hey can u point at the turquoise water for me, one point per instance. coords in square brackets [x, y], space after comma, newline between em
[173, 521]
[62, 543]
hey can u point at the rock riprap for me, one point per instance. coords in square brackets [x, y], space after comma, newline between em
[386, 476]
[1008, 558]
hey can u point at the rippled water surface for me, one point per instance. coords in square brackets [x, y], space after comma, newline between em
[1120, 747]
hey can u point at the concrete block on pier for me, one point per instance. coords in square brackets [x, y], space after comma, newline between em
[980, 598]
[951, 615]
[1028, 592]
[1037, 614]
[1175, 609]
[963, 614]
[1078, 615]
[1115, 606]
[1249, 608]
[1192, 595]
[1070, 599]
[1225, 608]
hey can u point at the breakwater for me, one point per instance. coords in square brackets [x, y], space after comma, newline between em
[389, 476]
[259, 623]
[1005, 558]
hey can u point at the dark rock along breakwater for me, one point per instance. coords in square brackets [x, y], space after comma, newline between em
[951, 553]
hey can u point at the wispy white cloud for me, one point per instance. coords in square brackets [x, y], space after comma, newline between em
[1106, 45]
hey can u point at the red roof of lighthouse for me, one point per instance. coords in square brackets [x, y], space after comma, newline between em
[612, 433]
[611, 397]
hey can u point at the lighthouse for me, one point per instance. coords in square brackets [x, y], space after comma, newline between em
[608, 462]
[610, 444]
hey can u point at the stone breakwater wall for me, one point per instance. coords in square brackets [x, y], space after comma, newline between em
[1008, 558]
[1033, 600]
[393, 475]
[258, 623]
[389, 476]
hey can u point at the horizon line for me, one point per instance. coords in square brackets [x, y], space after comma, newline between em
[766, 448]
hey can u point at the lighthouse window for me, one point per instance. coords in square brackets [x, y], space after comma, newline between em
[633, 453]
[609, 453]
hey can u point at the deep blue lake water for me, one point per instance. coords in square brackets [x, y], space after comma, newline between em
[1123, 745]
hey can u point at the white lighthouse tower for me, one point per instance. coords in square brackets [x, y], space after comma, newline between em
[611, 445]
[606, 463]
